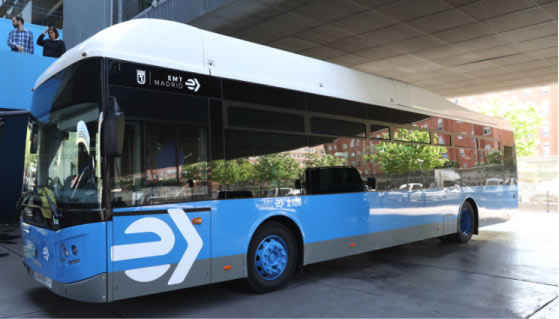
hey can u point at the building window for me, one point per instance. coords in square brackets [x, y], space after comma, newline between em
[440, 124]
[544, 90]
[545, 108]
[462, 153]
[545, 149]
[344, 146]
[527, 92]
[486, 130]
[545, 128]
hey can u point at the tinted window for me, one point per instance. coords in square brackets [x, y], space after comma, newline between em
[161, 163]
[259, 164]
[337, 127]
[381, 132]
[442, 139]
[249, 118]
[411, 135]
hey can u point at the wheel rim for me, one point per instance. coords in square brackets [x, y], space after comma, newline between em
[466, 221]
[271, 257]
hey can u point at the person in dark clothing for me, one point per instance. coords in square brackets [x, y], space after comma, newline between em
[52, 46]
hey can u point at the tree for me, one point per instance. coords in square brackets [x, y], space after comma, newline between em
[233, 171]
[398, 158]
[276, 167]
[525, 122]
[324, 160]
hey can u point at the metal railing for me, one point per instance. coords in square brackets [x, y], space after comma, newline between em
[40, 16]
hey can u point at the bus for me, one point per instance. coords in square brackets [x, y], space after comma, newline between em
[161, 156]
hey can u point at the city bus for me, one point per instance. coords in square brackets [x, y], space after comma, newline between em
[161, 156]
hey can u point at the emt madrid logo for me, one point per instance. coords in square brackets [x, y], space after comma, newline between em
[160, 247]
[177, 82]
[141, 76]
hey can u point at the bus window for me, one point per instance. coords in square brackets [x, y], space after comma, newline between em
[412, 135]
[380, 132]
[170, 165]
[259, 164]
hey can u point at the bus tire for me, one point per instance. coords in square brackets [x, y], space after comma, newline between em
[466, 223]
[271, 259]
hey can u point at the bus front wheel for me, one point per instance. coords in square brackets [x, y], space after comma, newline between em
[272, 255]
[466, 223]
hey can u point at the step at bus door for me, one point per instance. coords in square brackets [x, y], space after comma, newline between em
[158, 250]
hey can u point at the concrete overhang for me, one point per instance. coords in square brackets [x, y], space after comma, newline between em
[450, 47]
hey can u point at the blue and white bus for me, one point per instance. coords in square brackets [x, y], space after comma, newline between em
[161, 157]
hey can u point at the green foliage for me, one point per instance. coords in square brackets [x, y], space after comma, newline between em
[524, 119]
[324, 160]
[233, 171]
[276, 167]
[398, 158]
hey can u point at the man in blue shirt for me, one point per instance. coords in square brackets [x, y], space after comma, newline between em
[20, 40]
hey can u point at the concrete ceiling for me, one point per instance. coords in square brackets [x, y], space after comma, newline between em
[451, 47]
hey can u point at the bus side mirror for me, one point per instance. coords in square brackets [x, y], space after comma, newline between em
[113, 129]
[372, 183]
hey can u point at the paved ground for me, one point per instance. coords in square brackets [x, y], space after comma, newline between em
[510, 270]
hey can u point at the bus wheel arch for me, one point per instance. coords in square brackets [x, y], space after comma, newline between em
[467, 222]
[279, 235]
[472, 202]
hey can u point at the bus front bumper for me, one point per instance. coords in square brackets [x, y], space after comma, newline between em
[93, 289]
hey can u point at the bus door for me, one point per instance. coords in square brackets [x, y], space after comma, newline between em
[161, 222]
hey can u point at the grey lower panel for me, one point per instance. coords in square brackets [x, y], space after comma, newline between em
[202, 272]
[341, 247]
[125, 287]
[93, 289]
[238, 268]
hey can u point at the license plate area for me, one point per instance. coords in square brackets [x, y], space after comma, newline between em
[43, 279]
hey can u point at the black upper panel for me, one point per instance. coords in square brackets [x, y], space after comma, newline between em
[249, 118]
[329, 105]
[337, 127]
[161, 106]
[262, 94]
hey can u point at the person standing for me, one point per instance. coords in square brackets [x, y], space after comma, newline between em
[52, 46]
[20, 40]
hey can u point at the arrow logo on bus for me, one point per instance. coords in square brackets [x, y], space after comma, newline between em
[160, 248]
[192, 84]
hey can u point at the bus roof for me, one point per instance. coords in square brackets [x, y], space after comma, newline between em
[178, 46]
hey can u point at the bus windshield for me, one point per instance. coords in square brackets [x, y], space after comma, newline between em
[63, 158]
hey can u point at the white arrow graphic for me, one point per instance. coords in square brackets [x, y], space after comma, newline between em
[192, 84]
[149, 249]
[194, 245]
[161, 247]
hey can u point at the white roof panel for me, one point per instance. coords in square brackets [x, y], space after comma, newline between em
[178, 46]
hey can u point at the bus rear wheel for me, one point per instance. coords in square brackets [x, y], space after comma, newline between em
[466, 223]
[272, 255]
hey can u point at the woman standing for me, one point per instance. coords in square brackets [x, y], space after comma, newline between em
[52, 46]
